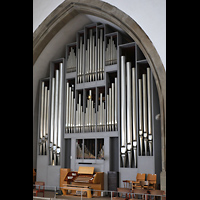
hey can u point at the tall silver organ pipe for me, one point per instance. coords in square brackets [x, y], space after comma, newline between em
[149, 112]
[41, 117]
[123, 111]
[52, 121]
[56, 111]
[60, 97]
[55, 134]
[67, 108]
[116, 105]
[145, 112]
[140, 117]
[134, 119]
[129, 113]
[113, 106]
[44, 121]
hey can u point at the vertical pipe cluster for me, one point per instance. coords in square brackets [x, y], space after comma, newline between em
[79, 115]
[111, 107]
[111, 52]
[80, 60]
[44, 115]
[90, 114]
[101, 114]
[70, 109]
[90, 58]
[71, 61]
[128, 115]
[145, 113]
[100, 56]
[56, 116]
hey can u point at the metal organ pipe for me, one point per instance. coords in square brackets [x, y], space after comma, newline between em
[129, 113]
[67, 107]
[113, 106]
[134, 118]
[123, 111]
[55, 135]
[60, 89]
[41, 117]
[145, 112]
[140, 117]
[51, 122]
[116, 104]
[149, 112]
[44, 120]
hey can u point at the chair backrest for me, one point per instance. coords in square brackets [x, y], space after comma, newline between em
[157, 192]
[40, 183]
[143, 183]
[140, 177]
[151, 178]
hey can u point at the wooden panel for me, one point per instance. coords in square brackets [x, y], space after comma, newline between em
[63, 173]
[86, 170]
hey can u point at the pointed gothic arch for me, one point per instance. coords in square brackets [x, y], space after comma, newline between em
[70, 8]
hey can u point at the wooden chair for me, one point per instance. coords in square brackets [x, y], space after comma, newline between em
[156, 192]
[152, 181]
[123, 194]
[144, 184]
[35, 191]
[139, 192]
[139, 177]
[126, 182]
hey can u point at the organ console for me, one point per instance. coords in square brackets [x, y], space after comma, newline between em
[85, 177]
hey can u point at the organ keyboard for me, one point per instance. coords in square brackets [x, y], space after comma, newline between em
[86, 177]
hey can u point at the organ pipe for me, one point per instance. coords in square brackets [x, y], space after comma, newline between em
[134, 119]
[145, 112]
[111, 52]
[60, 105]
[149, 112]
[140, 117]
[129, 113]
[52, 121]
[41, 117]
[116, 104]
[113, 106]
[71, 61]
[123, 111]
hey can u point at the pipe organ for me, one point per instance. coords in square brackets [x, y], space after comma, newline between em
[102, 89]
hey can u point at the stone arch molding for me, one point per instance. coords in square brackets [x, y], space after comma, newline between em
[70, 8]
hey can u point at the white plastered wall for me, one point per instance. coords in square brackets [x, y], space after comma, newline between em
[149, 14]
